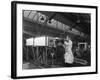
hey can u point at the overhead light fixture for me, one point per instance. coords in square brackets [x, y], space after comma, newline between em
[49, 21]
[42, 19]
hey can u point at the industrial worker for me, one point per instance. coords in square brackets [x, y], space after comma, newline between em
[68, 56]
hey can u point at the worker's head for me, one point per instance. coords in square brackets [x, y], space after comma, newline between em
[67, 38]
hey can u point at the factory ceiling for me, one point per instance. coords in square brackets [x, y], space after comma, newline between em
[73, 23]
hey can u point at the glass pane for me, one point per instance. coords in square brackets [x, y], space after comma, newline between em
[66, 27]
[36, 17]
[63, 27]
[59, 26]
[75, 31]
[26, 13]
[32, 14]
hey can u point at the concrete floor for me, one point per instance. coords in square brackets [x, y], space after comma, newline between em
[54, 64]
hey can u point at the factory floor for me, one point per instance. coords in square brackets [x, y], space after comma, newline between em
[50, 64]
